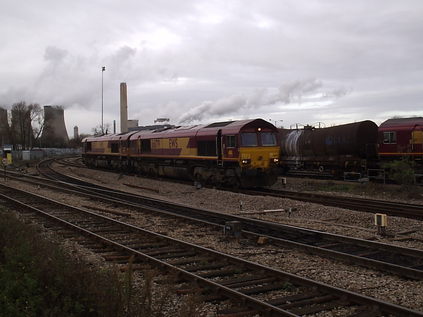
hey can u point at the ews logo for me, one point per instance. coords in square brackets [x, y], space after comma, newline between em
[173, 143]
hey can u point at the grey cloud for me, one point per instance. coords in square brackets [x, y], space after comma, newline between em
[54, 54]
[206, 60]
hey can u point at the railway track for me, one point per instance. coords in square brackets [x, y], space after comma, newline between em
[387, 258]
[398, 209]
[413, 211]
[74, 161]
[250, 286]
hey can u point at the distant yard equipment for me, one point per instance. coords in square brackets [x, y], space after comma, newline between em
[381, 221]
[232, 229]
[7, 155]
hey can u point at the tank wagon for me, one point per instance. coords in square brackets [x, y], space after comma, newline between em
[232, 153]
[330, 151]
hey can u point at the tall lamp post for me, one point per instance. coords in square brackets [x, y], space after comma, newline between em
[276, 121]
[102, 126]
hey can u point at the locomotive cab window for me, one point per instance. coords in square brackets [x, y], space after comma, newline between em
[88, 146]
[249, 139]
[389, 137]
[230, 141]
[268, 139]
[114, 147]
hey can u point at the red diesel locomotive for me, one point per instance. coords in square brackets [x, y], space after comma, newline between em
[232, 153]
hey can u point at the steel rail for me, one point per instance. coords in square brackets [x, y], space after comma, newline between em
[334, 297]
[398, 209]
[380, 256]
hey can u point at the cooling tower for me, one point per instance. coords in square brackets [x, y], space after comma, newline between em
[123, 108]
[54, 132]
[4, 127]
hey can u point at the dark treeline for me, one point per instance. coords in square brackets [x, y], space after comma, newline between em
[22, 127]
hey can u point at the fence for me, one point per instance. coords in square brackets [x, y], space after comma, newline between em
[34, 154]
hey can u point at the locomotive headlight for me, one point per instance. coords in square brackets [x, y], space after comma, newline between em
[275, 160]
[245, 161]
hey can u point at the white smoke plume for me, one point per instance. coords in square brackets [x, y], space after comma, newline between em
[310, 90]
[214, 108]
[296, 90]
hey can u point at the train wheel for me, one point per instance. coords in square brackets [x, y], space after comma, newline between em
[211, 181]
[234, 182]
[152, 173]
[199, 179]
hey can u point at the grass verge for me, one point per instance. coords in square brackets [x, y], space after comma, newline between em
[38, 278]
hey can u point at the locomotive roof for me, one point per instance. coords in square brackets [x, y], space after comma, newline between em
[109, 137]
[401, 124]
[227, 127]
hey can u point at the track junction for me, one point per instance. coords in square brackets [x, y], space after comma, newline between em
[405, 262]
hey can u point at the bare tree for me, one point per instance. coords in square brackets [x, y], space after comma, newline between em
[23, 116]
[77, 142]
[99, 130]
[37, 119]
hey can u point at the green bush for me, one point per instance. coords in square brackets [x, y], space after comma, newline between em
[37, 278]
[401, 171]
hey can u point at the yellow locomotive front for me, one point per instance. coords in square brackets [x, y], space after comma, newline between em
[258, 156]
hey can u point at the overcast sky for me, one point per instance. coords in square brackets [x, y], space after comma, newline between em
[300, 61]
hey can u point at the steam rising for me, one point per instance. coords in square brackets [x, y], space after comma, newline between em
[299, 91]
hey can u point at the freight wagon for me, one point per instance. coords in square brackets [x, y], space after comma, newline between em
[329, 152]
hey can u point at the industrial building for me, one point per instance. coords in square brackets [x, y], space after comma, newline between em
[132, 125]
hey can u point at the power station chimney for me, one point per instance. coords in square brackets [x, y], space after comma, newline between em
[75, 132]
[123, 108]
